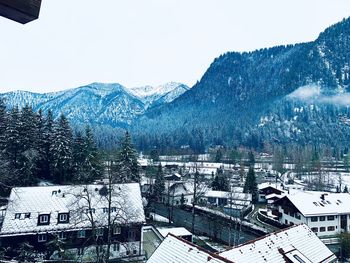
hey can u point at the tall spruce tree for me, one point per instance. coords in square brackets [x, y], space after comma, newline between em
[250, 185]
[62, 150]
[159, 184]
[126, 168]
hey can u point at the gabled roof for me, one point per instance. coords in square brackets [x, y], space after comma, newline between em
[310, 203]
[177, 250]
[126, 206]
[289, 245]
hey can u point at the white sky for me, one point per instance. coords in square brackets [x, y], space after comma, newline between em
[148, 42]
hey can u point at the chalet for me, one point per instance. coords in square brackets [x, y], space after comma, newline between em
[174, 192]
[39, 215]
[325, 213]
[267, 189]
[233, 203]
[295, 244]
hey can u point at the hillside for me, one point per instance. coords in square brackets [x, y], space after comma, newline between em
[241, 90]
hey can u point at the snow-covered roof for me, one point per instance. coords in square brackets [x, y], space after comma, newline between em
[233, 195]
[271, 196]
[176, 231]
[217, 194]
[177, 250]
[269, 184]
[310, 203]
[27, 203]
[290, 245]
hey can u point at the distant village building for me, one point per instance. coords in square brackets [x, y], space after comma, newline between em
[39, 215]
[325, 213]
[266, 189]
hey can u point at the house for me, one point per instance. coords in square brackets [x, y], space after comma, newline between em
[176, 231]
[296, 244]
[267, 189]
[175, 190]
[233, 203]
[67, 213]
[174, 249]
[325, 213]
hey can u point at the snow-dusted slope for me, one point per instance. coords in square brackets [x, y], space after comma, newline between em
[161, 94]
[97, 103]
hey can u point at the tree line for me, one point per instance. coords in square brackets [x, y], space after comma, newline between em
[35, 147]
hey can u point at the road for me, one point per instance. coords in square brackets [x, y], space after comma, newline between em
[217, 229]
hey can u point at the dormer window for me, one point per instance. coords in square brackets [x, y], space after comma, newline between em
[44, 219]
[63, 217]
[17, 215]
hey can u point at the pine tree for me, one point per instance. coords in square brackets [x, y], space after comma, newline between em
[126, 168]
[62, 150]
[47, 165]
[12, 147]
[3, 125]
[159, 184]
[250, 185]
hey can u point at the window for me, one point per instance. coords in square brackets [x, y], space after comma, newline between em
[44, 220]
[105, 210]
[99, 232]
[62, 235]
[63, 218]
[322, 229]
[330, 218]
[92, 210]
[331, 228]
[322, 218]
[314, 229]
[116, 230]
[27, 215]
[132, 234]
[81, 234]
[116, 246]
[17, 215]
[314, 219]
[286, 221]
[42, 237]
[113, 209]
[297, 216]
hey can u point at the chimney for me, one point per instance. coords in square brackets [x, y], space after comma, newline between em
[323, 196]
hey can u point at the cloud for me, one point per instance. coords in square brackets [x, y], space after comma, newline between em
[306, 92]
[313, 93]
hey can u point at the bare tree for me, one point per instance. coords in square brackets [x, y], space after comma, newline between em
[105, 208]
[199, 190]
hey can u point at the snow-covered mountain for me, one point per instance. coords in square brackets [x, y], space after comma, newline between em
[161, 94]
[98, 103]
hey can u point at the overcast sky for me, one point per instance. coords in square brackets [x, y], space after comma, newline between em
[148, 42]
